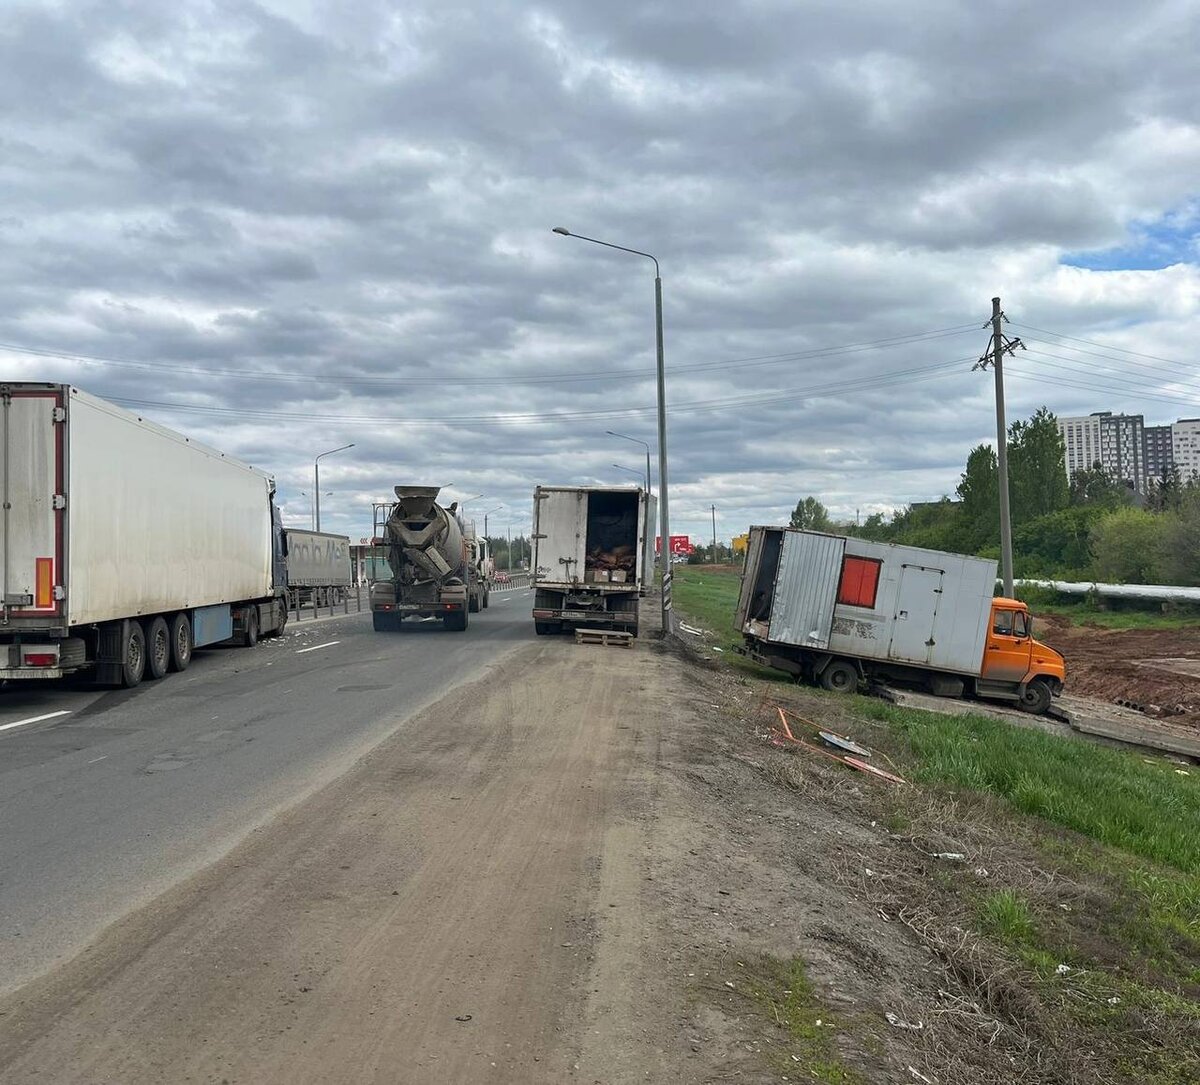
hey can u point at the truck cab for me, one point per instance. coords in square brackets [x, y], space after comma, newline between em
[1012, 657]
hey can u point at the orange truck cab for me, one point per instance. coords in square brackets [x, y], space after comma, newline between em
[1014, 661]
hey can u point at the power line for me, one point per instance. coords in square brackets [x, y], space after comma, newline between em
[541, 418]
[1104, 373]
[565, 377]
[1095, 343]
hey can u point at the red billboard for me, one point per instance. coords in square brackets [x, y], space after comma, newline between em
[680, 544]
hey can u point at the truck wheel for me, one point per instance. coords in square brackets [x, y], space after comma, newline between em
[1035, 697]
[473, 603]
[456, 621]
[158, 648]
[181, 642]
[840, 677]
[250, 633]
[487, 596]
[133, 666]
[547, 629]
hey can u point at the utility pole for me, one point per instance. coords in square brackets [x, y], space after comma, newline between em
[994, 356]
[714, 519]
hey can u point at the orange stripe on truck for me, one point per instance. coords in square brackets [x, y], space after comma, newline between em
[44, 596]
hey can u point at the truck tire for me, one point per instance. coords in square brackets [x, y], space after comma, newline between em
[180, 632]
[473, 603]
[456, 621]
[158, 648]
[1035, 697]
[382, 622]
[487, 597]
[250, 632]
[840, 677]
[133, 653]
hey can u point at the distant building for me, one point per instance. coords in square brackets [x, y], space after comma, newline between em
[1129, 450]
[1185, 446]
[1160, 454]
[1081, 439]
[1123, 448]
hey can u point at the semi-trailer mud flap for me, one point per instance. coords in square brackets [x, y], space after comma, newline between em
[110, 652]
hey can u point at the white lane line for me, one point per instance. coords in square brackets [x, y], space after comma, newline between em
[95, 759]
[35, 719]
[316, 647]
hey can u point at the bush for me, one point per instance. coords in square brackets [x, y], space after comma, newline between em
[1128, 547]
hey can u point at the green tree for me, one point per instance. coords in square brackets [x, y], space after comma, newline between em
[1096, 487]
[811, 515]
[1181, 540]
[1037, 471]
[1128, 547]
[979, 492]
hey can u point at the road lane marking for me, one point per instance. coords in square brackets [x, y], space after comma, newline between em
[315, 647]
[35, 719]
[95, 759]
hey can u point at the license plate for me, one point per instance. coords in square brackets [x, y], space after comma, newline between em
[577, 614]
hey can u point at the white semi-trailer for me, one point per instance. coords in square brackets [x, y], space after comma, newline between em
[318, 565]
[125, 545]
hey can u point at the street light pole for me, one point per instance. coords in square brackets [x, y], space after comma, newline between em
[638, 441]
[485, 518]
[630, 470]
[664, 515]
[317, 481]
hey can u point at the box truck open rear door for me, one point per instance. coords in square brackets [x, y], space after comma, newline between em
[31, 477]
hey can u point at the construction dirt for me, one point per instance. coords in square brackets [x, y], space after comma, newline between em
[1156, 670]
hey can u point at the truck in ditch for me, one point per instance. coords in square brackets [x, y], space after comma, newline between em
[435, 571]
[593, 556]
[125, 545]
[837, 611]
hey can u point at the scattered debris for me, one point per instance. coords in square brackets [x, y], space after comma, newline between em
[604, 636]
[953, 856]
[895, 1022]
[780, 736]
[463, 1017]
[1062, 969]
[844, 743]
[691, 629]
[920, 1076]
[716, 649]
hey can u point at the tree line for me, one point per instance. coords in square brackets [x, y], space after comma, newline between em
[1095, 528]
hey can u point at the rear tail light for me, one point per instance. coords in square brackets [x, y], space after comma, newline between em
[40, 659]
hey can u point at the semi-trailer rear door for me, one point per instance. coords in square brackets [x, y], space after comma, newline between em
[31, 519]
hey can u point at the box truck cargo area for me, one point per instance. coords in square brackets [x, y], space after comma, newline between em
[125, 545]
[593, 556]
[837, 610]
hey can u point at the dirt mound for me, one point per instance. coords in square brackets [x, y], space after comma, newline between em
[1148, 668]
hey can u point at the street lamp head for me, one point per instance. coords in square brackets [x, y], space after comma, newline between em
[562, 230]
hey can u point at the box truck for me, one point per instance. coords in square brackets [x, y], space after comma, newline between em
[125, 545]
[593, 556]
[838, 610]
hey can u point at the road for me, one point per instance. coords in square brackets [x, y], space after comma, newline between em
[115, 796]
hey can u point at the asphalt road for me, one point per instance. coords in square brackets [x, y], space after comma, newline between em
[115, 796]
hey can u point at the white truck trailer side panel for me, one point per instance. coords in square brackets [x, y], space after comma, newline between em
[559, 535]
[317, 559]
[156, 522]
[931, 609]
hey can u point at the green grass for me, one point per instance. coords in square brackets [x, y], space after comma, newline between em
[1109, 795]
[1006, 917]
[707, 598]
[784, 995]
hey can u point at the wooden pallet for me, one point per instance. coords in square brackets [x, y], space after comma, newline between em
[604, 636]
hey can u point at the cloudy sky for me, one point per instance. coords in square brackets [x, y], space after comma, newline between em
[289, 225]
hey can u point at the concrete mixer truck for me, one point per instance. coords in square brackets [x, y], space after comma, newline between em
[434, 574]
